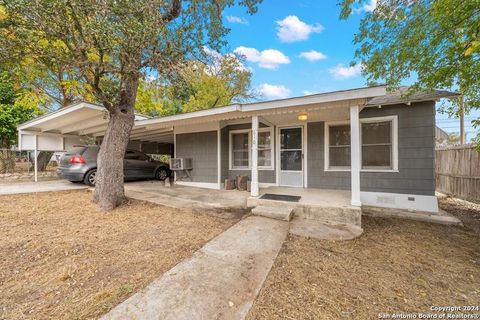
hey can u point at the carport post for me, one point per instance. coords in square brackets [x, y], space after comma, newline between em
[35, 158]
[254, 183]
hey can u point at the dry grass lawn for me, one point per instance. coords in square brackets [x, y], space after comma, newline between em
[395, 266]
[62, 259]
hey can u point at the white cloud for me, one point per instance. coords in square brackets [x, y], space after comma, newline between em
[235, 19]
[271, 91]
[308, 92]
[341, 72]
[292, 29]
[367, 6]
[313, 55]
[267, 59]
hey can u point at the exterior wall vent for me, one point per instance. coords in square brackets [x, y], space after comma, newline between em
[386, 199]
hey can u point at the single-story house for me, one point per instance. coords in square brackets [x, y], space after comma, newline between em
[377, 145]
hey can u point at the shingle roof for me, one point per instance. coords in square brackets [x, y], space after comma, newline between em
[402, 95]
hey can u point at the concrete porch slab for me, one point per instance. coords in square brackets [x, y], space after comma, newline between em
[326, 206]
[179, 197]
[220, 281]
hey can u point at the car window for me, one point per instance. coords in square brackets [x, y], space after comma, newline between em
[135, 155]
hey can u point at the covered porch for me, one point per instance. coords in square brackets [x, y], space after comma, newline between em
[275, 143]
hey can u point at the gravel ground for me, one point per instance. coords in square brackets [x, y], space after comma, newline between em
[395, 266]
[62, 259]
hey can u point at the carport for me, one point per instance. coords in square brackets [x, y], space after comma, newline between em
[85, 123]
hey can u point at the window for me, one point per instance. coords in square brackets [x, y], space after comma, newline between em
[135, 155]
[379, 144]
[265, 149]
[240, 146]
[339, 146]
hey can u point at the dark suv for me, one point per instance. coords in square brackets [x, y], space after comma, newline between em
[80, 165]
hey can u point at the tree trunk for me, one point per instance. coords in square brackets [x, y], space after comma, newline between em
[109, 191]
[43, 159]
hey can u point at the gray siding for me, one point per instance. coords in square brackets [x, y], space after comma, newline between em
[202, 148]
[416, 141]
[264, 176]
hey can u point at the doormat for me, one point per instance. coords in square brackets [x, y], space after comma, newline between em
[280, 197]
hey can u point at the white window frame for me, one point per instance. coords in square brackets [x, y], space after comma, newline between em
[393, 119]
[249, 131]
[230, 148]
[272, 153]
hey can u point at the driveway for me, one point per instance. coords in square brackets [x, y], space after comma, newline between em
[40, 186]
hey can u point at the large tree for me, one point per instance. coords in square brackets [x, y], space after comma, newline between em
[435, 42]
[112, 44]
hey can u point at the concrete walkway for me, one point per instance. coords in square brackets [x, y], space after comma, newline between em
[220, 281]
[40, 186]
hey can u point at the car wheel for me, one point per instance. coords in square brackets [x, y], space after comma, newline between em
[90, 177]
[161, 174]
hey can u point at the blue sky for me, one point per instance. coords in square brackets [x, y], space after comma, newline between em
[300, 47]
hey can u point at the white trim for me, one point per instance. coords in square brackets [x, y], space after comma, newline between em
[206, 185]
[35, 155]
[394, 120]
[174, 152]
[394, 169]
[305, 155]
[58, 113]
[272, 149]
[355, 155]
[400, 201]
[254, 172]
[219, 156]
[351, 94]
[326, 145]
[230, 148]
[278, 149]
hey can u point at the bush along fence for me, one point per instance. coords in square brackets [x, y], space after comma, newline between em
[457, 172]
[18, 165]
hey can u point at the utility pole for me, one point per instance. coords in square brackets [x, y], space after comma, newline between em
[462, 117]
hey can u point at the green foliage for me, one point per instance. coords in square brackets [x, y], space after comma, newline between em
[197, 85]
[11, 112]
[100, 49]
[434, 41]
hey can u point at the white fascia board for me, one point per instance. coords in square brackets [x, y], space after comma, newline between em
[317, 98]
[59, 113]
[191, 115]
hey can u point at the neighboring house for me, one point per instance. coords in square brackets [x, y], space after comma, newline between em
[380, 146]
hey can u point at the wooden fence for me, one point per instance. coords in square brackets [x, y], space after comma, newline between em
[458, 172]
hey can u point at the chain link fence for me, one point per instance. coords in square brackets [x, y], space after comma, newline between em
[19, 165]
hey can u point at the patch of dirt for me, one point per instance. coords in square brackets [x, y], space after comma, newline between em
[61, 258]
[395, 266]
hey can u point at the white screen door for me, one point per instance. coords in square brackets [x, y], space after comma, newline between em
[291, 157]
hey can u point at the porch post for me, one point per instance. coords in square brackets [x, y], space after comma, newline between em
[254, 184]
[355, 154]
[35, 155]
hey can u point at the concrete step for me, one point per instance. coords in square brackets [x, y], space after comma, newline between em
[279, 213]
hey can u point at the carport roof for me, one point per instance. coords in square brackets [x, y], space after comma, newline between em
[81, 118]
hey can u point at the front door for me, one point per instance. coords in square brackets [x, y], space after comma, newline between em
[291, 156]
